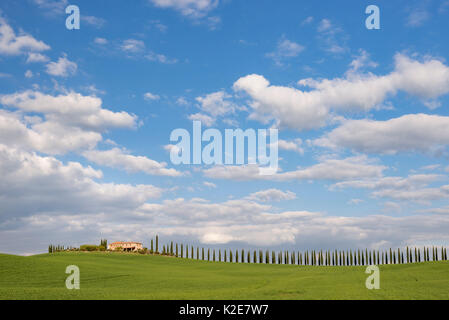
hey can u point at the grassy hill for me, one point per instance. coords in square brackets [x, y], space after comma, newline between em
[131, 276]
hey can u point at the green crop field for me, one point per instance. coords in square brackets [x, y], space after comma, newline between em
[133, 276]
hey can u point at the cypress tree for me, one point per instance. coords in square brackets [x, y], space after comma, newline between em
[202, 254]
[151, 246]
[230, 256]
[273, 257]
[208, 254]
[157, 244]
[248, 256]
[213, 256]
[225, 256]
[243, 256]
[191, 252]
[267, 257]
[254, 257]
[219, 255]
[236, 256]
[176, 251]
[171, 248]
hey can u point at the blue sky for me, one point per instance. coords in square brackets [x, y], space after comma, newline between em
[86, 116]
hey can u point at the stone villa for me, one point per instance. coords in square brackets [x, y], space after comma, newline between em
[125, 246]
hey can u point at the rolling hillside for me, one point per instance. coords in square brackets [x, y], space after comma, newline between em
[131, 276]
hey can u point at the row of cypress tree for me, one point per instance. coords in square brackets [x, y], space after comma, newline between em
[309, 257]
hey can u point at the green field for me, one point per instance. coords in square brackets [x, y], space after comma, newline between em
[132, 276]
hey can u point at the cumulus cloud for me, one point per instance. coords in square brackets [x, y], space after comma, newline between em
[36, 57]
[271, 195]
[66, 122]
[151, 96]
[412, 188]
[93, 21]
[190, 8]
[133, 45]
[62, 68]
[161, 58]
[328, 169]
[408, 133]
[52, 7]
[117, 158]
[33, 184]
[204, 118]
[101, 41]
[293, 145]
[12, 44]
[285, 49]
[302, 110]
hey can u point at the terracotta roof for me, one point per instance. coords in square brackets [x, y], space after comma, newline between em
[125, 242]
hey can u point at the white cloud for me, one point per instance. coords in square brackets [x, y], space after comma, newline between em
[355, 201]
[307, 20]
[28, 74]
[93, 21]
[52, 7]
[216, 104]
[210, 184]
[361, 61]
[62, 68]
[310, 109]
[285, 49]
[33, 184]
[408, 133]
[190, 8]
[117, 158]
[151, 97]
[328, 169]
[157, 57]
[332, 37]
[101, 41]
[412, 188]
[271, 195]
[417, 17]
[133, 45]
[181, 101]
[71, 121]
[204, 118]
[36, 57]
[12, 44]
[294, 145]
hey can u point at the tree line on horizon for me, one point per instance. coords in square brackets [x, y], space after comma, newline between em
[305, 258]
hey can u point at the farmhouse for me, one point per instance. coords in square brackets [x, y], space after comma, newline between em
[125, 246]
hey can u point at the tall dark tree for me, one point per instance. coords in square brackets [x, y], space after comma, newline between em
[157, 244]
